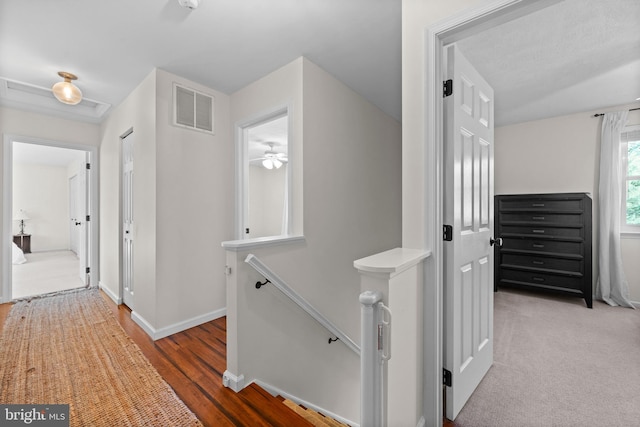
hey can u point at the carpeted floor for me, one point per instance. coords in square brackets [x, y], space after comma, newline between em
[69, 349]
[46, 272]
[558, 363]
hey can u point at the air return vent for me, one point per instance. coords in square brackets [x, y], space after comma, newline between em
[192, 109]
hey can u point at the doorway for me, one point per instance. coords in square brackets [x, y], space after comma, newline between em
[52, 249]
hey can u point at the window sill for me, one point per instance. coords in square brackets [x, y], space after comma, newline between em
[260, 242]
[630, 234]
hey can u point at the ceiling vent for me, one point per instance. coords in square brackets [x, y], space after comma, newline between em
[192, 109]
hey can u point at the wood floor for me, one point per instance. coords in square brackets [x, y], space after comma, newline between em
[192, 362]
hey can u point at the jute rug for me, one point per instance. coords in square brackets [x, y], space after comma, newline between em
[69, 349]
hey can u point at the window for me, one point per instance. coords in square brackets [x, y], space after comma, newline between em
[630, 152]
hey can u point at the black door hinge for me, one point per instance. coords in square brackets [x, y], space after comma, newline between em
[88, 270]
[447, 233]
[446, 377]
[88, 218]
[447, 88]
[88, 165]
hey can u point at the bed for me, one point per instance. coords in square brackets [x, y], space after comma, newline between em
[18, 255]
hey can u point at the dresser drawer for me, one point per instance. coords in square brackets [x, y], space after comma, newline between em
[534, 204]
[541, 218]
[540, 245]
[542, 230]
[520, 277]
[542, 262]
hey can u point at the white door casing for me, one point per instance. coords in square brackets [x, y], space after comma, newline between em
[468, 208]
[81, 224]
[127, 221]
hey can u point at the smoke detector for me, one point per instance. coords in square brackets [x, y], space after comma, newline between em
[189, 4]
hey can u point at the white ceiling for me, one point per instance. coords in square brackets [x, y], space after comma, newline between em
[577, 55]
[46, 155]
[574, 56]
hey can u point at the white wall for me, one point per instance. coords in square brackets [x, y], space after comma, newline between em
[352, 201]
[195, 206]
[266, 200]
[31, 125]
[561, 154]
[136, 112]
[42, 191]
[183, 206]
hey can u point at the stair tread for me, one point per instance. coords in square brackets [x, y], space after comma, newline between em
[315, 418]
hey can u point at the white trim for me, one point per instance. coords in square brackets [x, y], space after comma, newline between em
[390, 263]
[630, 235]
[242, 162]
[7, 204]
[260, 242]
[157, 334]
[109, 292]
[232, 381]
[274, 391]
[448, 30]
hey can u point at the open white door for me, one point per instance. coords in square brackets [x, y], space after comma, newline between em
[127, 221]
[73, 214]
[468, 209]
[82, 223]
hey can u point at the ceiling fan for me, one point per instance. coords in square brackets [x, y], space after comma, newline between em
[272, 159]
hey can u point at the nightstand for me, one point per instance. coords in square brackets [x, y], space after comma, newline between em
[23, 241]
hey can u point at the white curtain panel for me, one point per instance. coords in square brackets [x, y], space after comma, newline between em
[612, 286]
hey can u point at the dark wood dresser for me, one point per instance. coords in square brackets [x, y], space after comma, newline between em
[546, 243]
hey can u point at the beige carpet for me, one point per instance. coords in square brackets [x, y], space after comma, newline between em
[44, 273]
[69, 349]
[557, 363]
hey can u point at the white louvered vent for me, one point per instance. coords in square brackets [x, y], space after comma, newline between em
[192, 109]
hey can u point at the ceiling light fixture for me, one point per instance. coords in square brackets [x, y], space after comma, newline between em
[189, 4]
[66, 92]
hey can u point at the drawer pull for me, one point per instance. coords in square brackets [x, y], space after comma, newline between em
[538, 205]
[538, 262]
[538, 218]
[538, 231]
[538, 245]
[538, 279]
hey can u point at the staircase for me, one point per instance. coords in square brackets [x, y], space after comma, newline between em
[313, 417]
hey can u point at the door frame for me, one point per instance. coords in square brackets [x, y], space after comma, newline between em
[436, 36]
[7, 205]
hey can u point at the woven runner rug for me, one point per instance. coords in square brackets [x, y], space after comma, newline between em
[69, 349]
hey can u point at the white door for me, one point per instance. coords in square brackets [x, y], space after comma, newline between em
[82, 223]
[468, 208]
[73, 214]
[127, 221]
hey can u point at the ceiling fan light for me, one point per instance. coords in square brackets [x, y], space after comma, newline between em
[267, 163]
[66, 92]
[277, 163]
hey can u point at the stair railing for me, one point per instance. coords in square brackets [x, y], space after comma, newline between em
[276, 281]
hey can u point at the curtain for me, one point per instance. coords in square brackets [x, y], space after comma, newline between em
[612, 286]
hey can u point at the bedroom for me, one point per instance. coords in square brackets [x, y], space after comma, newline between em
[49, 230]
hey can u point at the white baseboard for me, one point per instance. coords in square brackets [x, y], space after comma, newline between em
[276, 391]
[157, 334]
[232, 381]
[110, 293]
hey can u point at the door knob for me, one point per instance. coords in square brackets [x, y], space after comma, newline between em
[497, 242]
[78, 223]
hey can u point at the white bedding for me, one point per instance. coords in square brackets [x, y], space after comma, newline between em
[18, 255]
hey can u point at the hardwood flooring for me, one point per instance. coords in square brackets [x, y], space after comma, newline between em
[192, 363]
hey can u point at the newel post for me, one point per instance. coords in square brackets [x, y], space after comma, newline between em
[397, 276]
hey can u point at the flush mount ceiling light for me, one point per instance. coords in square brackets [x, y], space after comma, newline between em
[189, 4]
[66, 92]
